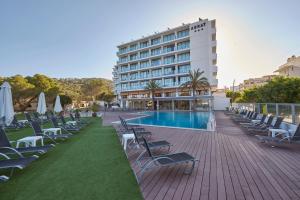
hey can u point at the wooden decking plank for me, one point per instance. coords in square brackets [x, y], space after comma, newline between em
[191, 182]
[182, 186]
[200, 172]
[279, 182]
[233, 165]
[157, 180]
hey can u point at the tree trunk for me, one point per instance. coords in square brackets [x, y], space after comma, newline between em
[195, 101]
[23, 106]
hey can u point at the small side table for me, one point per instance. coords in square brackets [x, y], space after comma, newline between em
[30, 141]
[73, 123]
[125, 138]
[23, 121]
[280, 131]
[52, 130]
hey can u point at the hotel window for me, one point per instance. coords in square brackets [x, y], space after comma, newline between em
[133, 66]
[124, 68]
[155, 51]
[183, 57]
[213, 37]
[214, 49]
[134, 85]
[144, 64]
[133, 76]
[156, 73]
[184, 68]
[155, 41]
[124, 86]
[169, 48]
[133, 56]
[159, 81]
[123, 59]
[183, 45]
[144, 44]
[123, 50]
[144, 83]
[123, 77]
[168, 37]
[144, 54]
[144, 74]
[169, 82]
[155, 62]
[169, 60]
[169, 70]
[133, 47]
[183, 79]
[183, 33]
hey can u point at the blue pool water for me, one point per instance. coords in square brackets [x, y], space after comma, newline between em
[195, 120]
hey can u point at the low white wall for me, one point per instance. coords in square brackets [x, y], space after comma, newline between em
[221, 102]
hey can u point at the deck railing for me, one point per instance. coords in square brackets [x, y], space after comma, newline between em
[290, 112]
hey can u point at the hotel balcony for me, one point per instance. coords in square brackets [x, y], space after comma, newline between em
[150, 56]
[139, 68]
[176, 38]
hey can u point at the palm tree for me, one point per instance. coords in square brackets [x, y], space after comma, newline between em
[196, 83]
[152, 86]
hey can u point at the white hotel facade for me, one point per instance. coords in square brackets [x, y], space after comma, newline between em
[166, 57]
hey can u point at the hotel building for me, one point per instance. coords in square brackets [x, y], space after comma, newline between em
[166, 57]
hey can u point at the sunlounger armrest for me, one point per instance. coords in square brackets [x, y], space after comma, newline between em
[13, 150]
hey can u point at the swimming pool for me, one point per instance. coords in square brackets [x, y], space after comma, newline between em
[194, 120]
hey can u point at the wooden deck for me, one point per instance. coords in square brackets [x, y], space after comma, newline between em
[232, 165]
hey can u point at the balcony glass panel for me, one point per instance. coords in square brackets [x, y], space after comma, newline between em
[123, 50]
[183, 57]
[155, 62]
[133, 76]
[144, 54]
[183, 45]
[297, 114]
[169, 37]
[155, 52]
[286, 112]
[144, 64]
[169, 49]
[123, 59]
[133, 66]
[184, 69]
[155, 41]
[169, 70]
[156, 73]
[169, 60]
[133, 57]
[133, 47]
[183, 33]
[144, 75]
[144, 44]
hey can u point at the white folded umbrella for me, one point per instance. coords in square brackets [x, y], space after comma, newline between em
[6, 104]
[42, 108]
[57, 106]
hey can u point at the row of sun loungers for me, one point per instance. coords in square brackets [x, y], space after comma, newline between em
[142, 139]
[266, 128]
[13, 158]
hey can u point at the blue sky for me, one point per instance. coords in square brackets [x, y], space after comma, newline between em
[77, 38]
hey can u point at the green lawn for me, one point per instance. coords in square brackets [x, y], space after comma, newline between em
[91, 165]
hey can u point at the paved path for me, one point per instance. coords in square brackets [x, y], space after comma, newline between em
[232, 166]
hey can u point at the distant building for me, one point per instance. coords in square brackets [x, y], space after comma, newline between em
[255, 82]
[291, 68]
